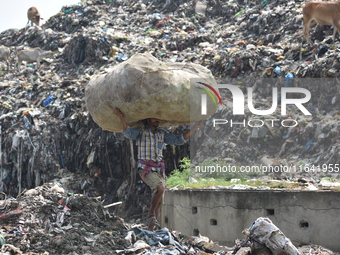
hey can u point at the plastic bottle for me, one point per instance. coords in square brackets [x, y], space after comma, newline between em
[48, 100]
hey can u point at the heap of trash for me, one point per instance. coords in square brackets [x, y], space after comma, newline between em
[47, 132]
[50, 220]
[47, 220]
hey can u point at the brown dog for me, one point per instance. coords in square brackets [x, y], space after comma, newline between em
[323, 13]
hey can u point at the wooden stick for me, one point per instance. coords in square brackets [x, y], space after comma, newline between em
[114, 204]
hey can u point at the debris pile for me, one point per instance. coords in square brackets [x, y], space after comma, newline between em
[46, 130]
[47, 220]
[50, 220]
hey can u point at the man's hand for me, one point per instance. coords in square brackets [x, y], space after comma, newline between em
[118, 112]
[197, 125]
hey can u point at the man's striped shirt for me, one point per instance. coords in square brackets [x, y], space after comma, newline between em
[150, 145]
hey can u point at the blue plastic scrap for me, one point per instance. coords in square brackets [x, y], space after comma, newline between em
[48, 100]
[27, 123]
[309, 144]
[122, 57]
[277, 70]
[162, 236]
[289, 78]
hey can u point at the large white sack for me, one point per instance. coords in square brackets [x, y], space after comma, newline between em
[144, 87]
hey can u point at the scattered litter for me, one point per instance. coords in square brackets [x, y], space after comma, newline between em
[47, 132]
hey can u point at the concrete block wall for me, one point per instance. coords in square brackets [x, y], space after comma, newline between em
[303, 216]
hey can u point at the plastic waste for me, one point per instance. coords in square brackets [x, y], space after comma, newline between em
[27, 123]
[265, 232]
[289, 78]
[332, 71]
[48, 100]
[278, 70]
[309, 144]
[29, 94]
[157, 16]
[122, 57]
[120, 10]
[130, 238]
[239, 13]
[264, 3]
[68, 10]
[253, 19]
[61, 215]
[2, 240]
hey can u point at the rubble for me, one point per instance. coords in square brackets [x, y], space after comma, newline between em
[47, 220]
[46, 131]
[50, 220]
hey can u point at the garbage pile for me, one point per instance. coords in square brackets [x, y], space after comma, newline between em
[51, 220]
[47, 220]
[233, 40]
[46, 130]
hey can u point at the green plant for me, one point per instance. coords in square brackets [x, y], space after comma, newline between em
[179, 177]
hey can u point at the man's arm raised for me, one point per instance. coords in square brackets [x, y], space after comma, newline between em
[197, 125]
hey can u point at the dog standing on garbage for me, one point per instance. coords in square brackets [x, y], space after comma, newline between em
[33, 16]
[323, 13]
[33, 55]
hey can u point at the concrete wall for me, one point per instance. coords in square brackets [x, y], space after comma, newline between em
[303, 216]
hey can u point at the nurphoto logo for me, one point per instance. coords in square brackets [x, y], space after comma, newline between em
[239, 104]
[238, 100]
[209, 90]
